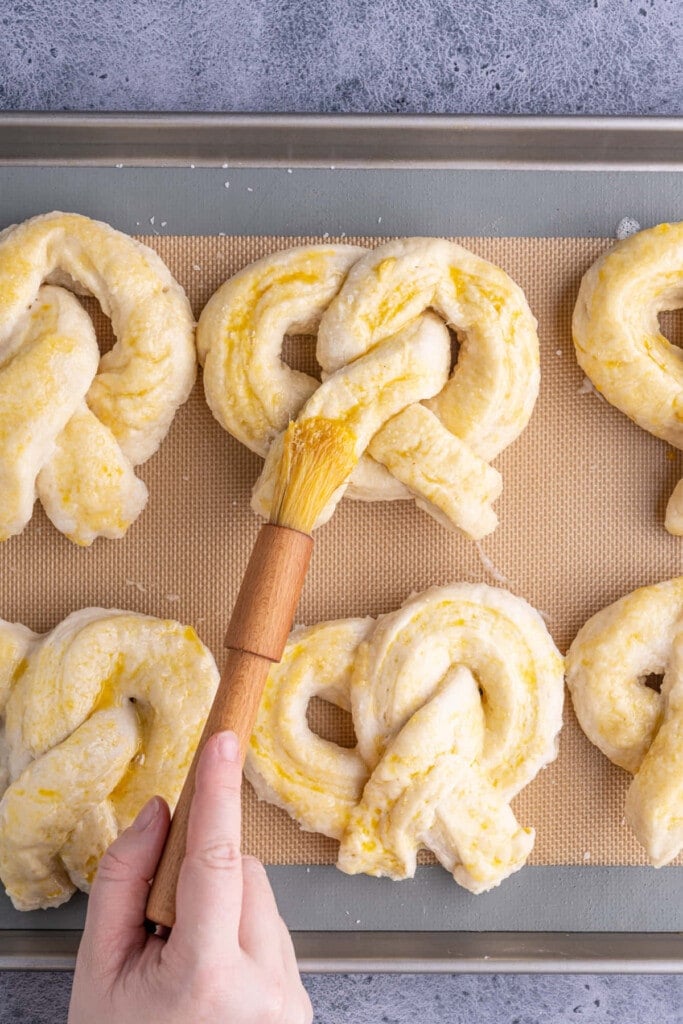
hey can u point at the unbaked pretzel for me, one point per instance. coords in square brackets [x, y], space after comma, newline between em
[638, 729]
[99, 715]
[72, 425]
[618, 342]
[456, 701]
[374, 331]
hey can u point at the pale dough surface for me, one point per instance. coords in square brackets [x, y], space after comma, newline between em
[96, 717]
[638, 728]
[456, 701]
[619, 343]
[385, 358]
[73, 425]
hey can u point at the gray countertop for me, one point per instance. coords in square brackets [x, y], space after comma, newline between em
[520, 56]
[517, 56]
[396, 999]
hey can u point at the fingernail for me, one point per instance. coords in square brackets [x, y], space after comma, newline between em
[147, 814]
[228, 746]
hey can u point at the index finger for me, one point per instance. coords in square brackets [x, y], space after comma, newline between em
[209, 895]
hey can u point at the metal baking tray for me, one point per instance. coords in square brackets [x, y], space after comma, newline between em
[365, 175]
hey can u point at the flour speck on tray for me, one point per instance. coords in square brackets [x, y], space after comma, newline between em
[491, 569]
[588, 388]
[626, 227]
[138, 586]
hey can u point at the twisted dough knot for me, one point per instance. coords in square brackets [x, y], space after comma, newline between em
[385, 362]
[638, 729]
[456, 701]
[72, 425]
[100, 714]
[618, 342]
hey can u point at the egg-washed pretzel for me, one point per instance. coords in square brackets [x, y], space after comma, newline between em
[99, 715]
[252, 393]
[618, 342]
[438, 457]
[72, 425]
[640, 730]
[456, 701]
[368, 394]
[438, 450]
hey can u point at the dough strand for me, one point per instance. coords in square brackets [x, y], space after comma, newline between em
[73, 425]
[382, 318]
[99, 715]
[636, 727]
[456, 701]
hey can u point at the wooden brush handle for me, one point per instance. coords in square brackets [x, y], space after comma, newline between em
[257, 634]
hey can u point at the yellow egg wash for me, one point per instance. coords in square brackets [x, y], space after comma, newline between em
[418, 763]
[132, 734]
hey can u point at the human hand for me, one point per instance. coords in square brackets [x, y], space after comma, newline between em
[229, 958]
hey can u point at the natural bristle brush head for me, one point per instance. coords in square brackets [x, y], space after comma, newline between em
[318, 455]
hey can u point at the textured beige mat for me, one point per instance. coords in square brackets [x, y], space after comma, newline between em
[581, 523]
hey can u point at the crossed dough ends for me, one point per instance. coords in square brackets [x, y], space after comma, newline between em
[73, 425]
[98, 715]
[385, 353]
[434, 766]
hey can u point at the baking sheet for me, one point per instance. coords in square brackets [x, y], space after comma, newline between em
[631, 520]
[567, 507]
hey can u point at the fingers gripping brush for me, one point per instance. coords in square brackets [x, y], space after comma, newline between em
[318, 456]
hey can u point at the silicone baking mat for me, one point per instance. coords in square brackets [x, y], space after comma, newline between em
[581, 523]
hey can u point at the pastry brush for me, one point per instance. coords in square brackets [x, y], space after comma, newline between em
[318, 456]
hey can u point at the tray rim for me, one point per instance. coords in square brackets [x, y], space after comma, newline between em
[413, 952]
[504, 143]
[342, 140]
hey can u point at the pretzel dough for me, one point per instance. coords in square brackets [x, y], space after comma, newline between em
[72, 425]
[436, 763]
[637, 728]
[99, 715]
[385, 368]
[618, 342]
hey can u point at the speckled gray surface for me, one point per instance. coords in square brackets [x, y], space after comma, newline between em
[511, 56]
[396, 999]
[500, 56]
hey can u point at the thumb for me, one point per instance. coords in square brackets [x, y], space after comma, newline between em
[115, 923]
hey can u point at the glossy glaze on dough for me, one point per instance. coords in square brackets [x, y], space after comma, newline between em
[380, 314]
[96, 717]
[618, 341]
[72, 425]
[639, 729]
[436, 765]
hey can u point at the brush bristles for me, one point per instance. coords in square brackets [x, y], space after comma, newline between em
[318, 455]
